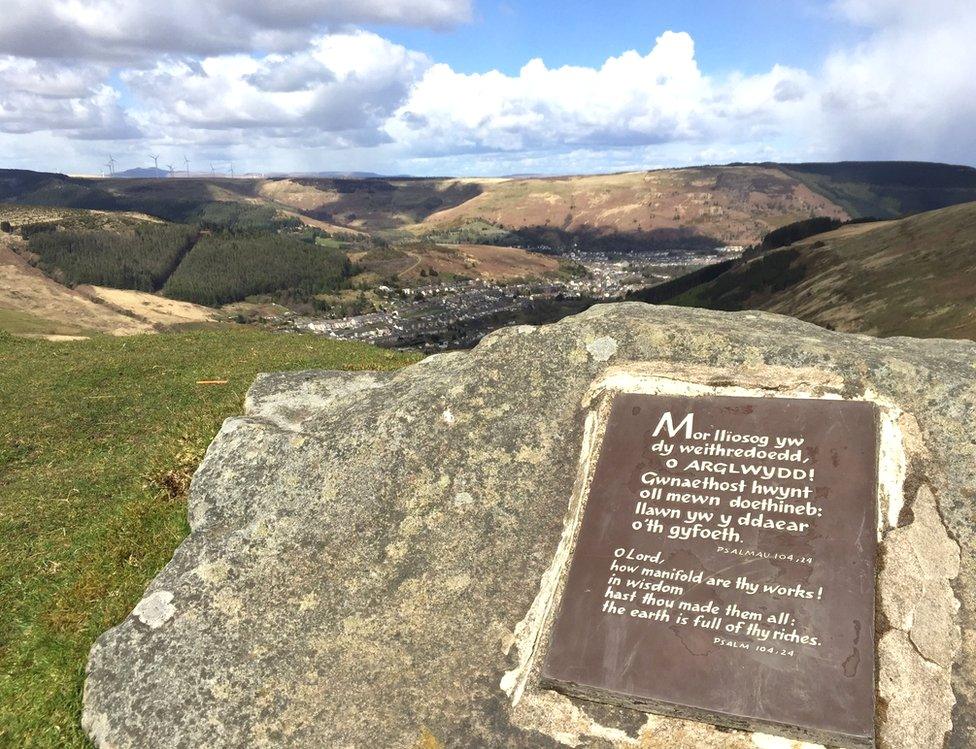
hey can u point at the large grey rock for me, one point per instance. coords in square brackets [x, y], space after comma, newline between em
[372, 555]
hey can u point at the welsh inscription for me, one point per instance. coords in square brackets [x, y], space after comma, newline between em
[725, 566]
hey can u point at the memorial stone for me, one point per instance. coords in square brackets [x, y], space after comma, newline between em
[725, 566]
[378, 559]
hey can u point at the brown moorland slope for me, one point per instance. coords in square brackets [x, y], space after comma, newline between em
[32, 303]
[707, 205]
[914, 276]
[732, 205]
[369, 204]
[500, 264]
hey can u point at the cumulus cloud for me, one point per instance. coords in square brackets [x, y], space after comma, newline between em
[73, 101]
[341, 90]
[135, 32]
[631, 100]
[296, 84]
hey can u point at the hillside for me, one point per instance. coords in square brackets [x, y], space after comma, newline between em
[692, 207]
[887, 189]
[33, 304]
[914, 276]
[412, 261]
[706, 206]
[76, 272]
[71, 271]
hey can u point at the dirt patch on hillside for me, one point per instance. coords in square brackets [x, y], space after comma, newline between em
[506, 263]
[25, 289]
[149, 308]
[323, 225]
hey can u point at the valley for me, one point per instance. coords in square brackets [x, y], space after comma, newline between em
[436, 263]
[458, 313]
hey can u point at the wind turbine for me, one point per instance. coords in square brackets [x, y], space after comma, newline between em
[155, 158]
[170, 167]
[213, 172]
[186, 161]
[110, 164]
[232, 170]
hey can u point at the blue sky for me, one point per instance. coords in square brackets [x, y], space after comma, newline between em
[469, 87]
[745, 35]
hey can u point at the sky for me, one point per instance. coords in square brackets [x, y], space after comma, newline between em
[482, 87]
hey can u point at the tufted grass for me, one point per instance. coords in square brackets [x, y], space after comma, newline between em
[98, 439]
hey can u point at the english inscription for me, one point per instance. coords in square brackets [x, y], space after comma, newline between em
[725, 566]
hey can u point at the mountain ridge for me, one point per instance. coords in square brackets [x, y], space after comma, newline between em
[702, 206]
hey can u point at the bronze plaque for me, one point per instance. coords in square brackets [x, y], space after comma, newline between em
[725, 566]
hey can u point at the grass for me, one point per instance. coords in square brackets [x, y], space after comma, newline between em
[98, 440]
[24, 323]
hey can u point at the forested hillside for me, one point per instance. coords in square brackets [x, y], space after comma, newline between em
[229, 267]
[140, 259]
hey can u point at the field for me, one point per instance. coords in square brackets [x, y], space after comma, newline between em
[150, 308]
[98, 440]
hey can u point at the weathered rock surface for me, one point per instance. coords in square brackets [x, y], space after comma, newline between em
[371, 554]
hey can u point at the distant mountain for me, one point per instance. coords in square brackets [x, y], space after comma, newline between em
[142, 173]
[914, 276]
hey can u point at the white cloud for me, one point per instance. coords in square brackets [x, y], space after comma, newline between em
[632, 99]
[340, 91]
[294, 85]
[73, 101]
[135, 32]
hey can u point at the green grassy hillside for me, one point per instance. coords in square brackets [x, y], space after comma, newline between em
[98, 440]
[887, 189]
[914, 276]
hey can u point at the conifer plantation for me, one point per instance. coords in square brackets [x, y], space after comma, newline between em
[227, 267]
[141, 259]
